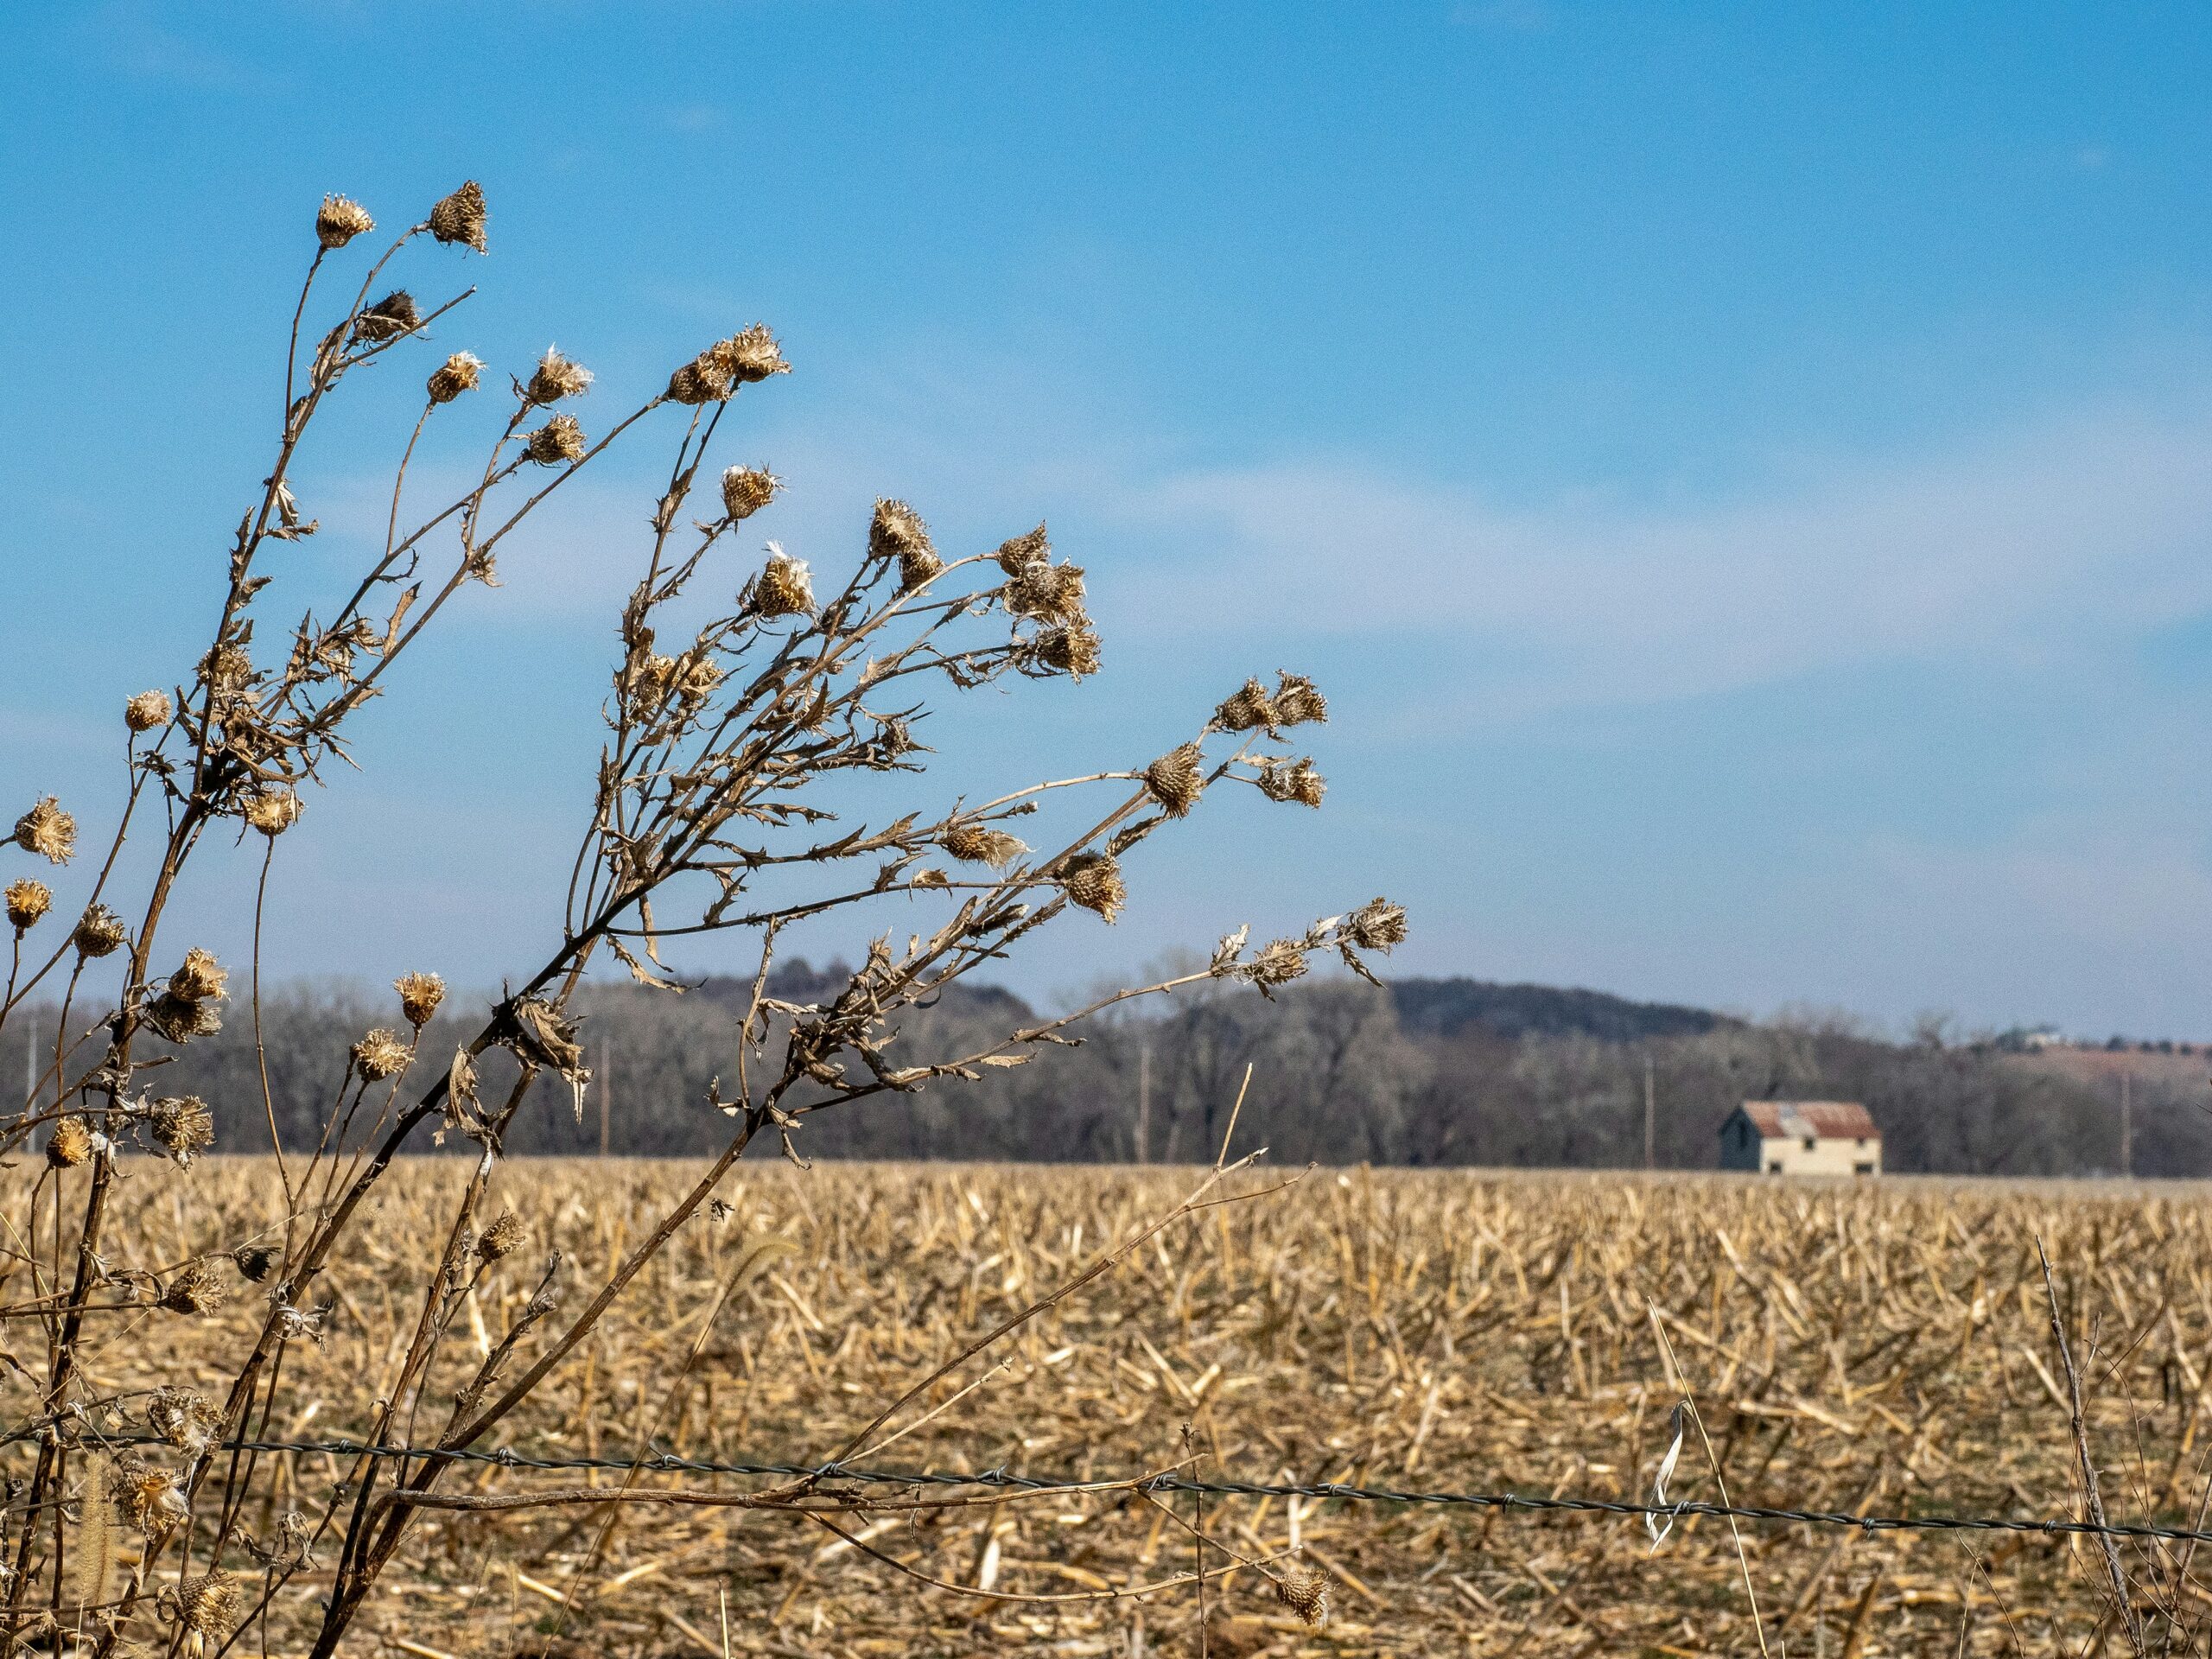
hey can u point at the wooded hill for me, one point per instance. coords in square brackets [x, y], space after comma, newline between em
[1428, 1072]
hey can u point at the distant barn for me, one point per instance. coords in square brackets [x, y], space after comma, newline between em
[1801, 1137]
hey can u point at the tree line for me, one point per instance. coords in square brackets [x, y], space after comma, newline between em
[1420, 1072]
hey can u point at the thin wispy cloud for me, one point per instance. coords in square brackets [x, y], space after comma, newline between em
[2024, 543]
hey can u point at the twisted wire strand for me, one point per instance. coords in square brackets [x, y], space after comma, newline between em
[673, 1463]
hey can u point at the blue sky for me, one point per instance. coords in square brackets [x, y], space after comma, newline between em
[1742, 474]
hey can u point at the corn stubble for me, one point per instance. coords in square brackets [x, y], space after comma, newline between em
[182, 1302]
[1880, 1349]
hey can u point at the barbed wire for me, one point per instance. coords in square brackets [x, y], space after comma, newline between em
[1001, 1477]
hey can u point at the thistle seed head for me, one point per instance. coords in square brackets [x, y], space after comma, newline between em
[972, 843]
[389, 318]
[897, 532]
[380, 1055]
[1072, 649]
[1017, 553]
[151, 1498]
[704, 379]
[1176, 780]
[195, 1289]
[1048, 593]
[750, 354]
[746, 490]
[503, 1237]
[70, 1143]
[559, 440]
[180, 1019]
[200, 978]
[457, 374]
[1297, 781]
[1306, 1594]
[273, 812]
[1094, 880]
[1248, 710]
[694, 677]
[557, 377]
[28, 901]
[100, 932]
[147, 710]
[1276, 962]
[1376, 927]
[339, 220]
[1297, 701]
[183, 1419]
[256, 1262]
[208, 1606]
[784, 587]
[181, 1126]
[459, 217]
[419, 996]
[48, 831]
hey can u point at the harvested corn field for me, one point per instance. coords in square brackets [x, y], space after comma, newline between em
[1882, 1349]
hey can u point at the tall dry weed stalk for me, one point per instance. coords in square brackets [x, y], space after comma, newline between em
[708, 813]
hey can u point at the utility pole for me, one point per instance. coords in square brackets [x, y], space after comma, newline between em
[606, 1088]
[1651, 1157]
[2127, 1125]
[1144, 1103]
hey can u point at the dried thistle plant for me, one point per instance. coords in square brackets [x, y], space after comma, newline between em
[726, 742]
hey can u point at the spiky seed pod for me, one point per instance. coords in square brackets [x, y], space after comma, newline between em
[273, 812]
[339, 220]
[100, 932]
[746, 490]
[1297, 781]
[1072, 649]
[200, 978]
[182, 1418]
[559, 440]
[380, 1055]
[972, 843]
[1306, 1594]
[1050, 593]
[389, 318]
[70, 1143]
[1094, 880]
[207, 1607]
[503, 1237]
[227, 669]
[750, 354]
[419, 996]
[181, 1126]
[256, 1262]
[694, 679]
[1176, 779]
[48, 831]
[1277, 963]
[459, 217]
[28, 901]
[194, 1289]
[151, 1498]
[1248, 710]
[896, 531]
[784, 587]
[180, 1019]
[1376, 927]
[1297, 700]
[147, 710]
[557, 377]
[458, 373]
[1017, 553]
[704, 379]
